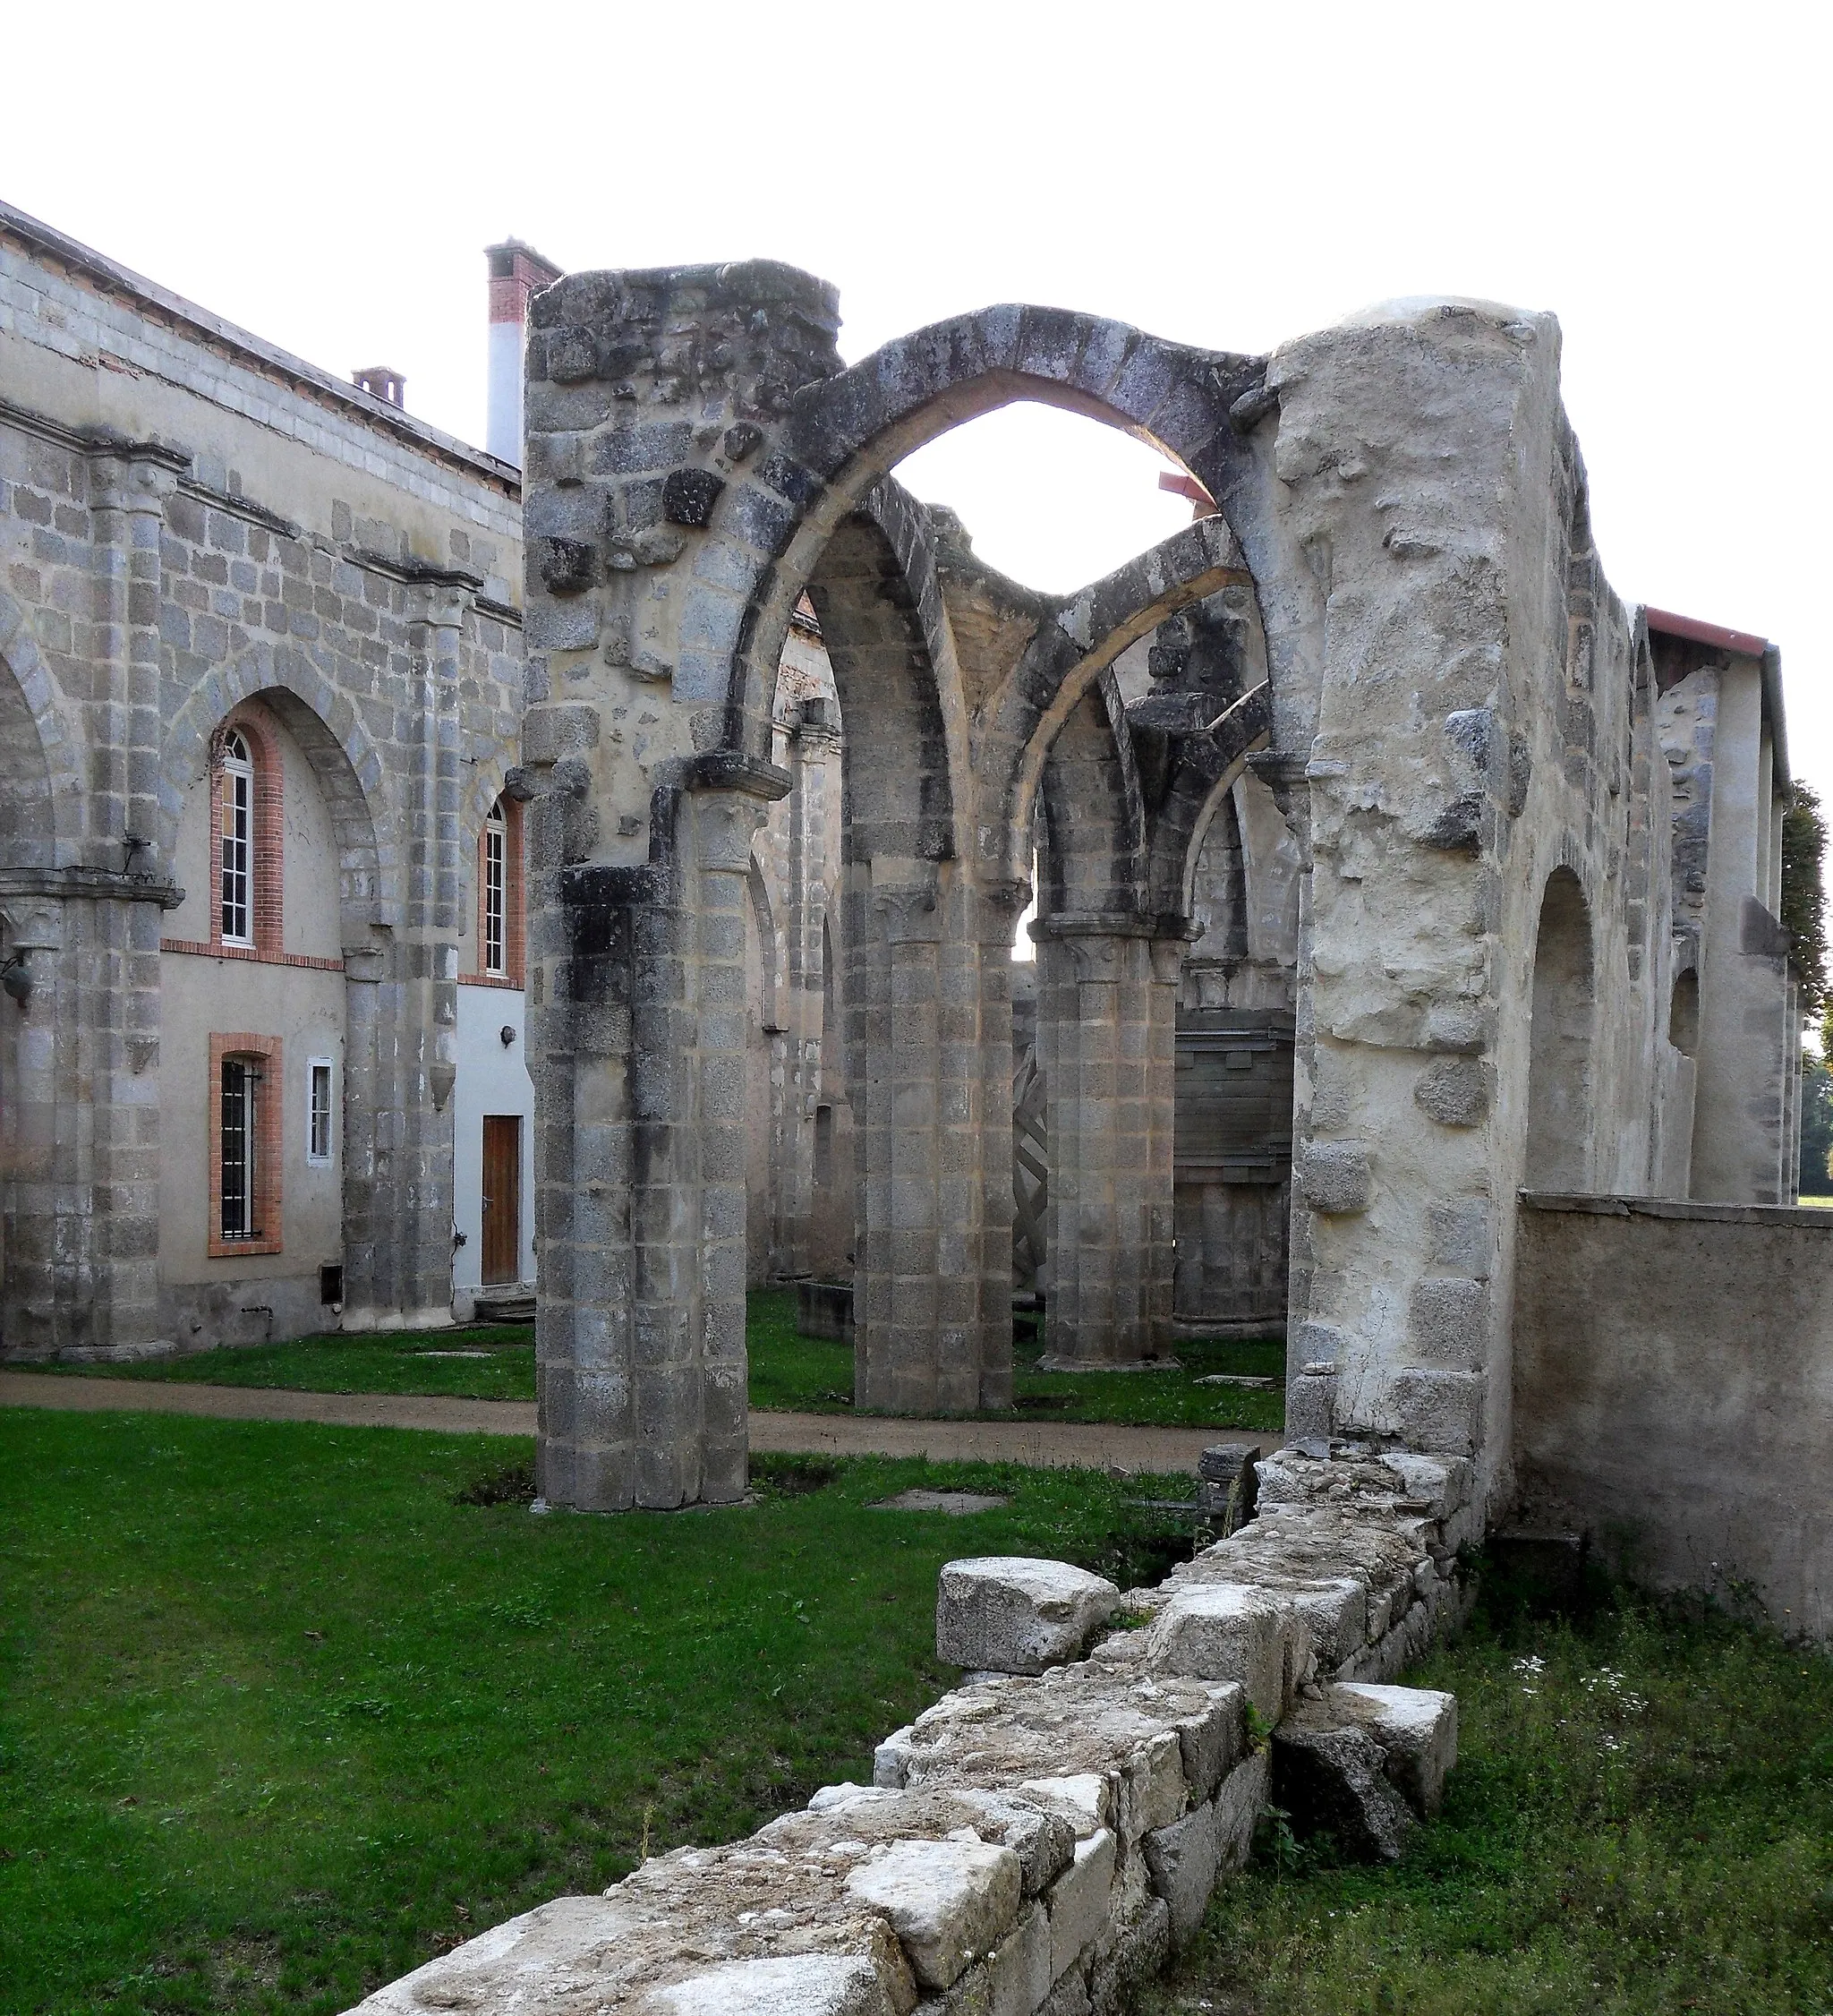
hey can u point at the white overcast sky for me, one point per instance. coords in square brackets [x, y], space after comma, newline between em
[1226, 174]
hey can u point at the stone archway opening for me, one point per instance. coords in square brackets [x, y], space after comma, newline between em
[1560, 1042]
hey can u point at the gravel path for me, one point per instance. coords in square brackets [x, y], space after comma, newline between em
[1090, 1444]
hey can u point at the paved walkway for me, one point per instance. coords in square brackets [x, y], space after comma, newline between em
[1093, 1445]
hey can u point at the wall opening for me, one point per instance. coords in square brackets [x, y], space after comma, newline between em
[1683, 1015]
[1559, 1076]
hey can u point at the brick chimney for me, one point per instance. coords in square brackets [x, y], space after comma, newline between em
[516, 271]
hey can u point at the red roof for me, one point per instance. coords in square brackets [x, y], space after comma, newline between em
[1745, 643]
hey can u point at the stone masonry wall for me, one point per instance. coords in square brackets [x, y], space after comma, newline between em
[188, 518]
[1041, 1841]
[1673, 1393]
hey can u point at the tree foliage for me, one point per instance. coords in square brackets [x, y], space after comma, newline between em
[1803, 897]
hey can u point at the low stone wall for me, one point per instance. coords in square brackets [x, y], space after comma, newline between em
[1674, 1391]
[1038, 1842]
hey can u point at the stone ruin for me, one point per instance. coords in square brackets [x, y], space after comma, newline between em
[1542, 1004]
[1049, 1833]
[1536, 837]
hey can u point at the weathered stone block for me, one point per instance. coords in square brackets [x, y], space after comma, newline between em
[1336, 1177]
[1183, 1858]
[1417, 1731]
[1456, 1091]
[801, 1985]
[1224, 1631]
[1018, 1970]
[1440, 1413]
[1010, 1614]
[1448, 1322]
[1330, 1776]
[1240, 1802]
[949, 1901]
[1078, 1901]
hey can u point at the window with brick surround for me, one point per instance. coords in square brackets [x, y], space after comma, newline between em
[246, 1144]
[238, 843]
[247, 829]
[495, 892]
[500, 930]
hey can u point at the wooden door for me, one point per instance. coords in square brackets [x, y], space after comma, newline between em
[502, 1197]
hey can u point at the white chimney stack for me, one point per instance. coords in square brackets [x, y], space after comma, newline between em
[516, 271]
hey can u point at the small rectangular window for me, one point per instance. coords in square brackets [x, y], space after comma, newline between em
[241, 1092]
[319, 1110]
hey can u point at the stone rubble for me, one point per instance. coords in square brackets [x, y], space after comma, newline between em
[1036, 1842]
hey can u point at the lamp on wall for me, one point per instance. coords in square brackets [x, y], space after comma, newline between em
[16, 977]
[508, 1035]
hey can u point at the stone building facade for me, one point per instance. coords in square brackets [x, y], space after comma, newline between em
[260, 682]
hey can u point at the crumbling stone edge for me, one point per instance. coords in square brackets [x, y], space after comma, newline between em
[1035, 1844]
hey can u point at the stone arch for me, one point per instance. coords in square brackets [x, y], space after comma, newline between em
[904, 757]
[345, 762]
[845, 432]
[1204, 775]
[1560, 1039]
[1091, 816]
[42, 798]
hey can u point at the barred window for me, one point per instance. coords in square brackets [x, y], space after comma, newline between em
[242, 1080]
[318, 1110]
[496, 833]
[238, 841]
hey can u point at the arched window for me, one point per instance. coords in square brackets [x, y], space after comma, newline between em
[237, 872]
[499, 928]
[496, 893]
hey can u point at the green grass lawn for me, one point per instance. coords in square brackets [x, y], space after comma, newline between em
[1641, 1823]
[281, 1719]
[787, 1370]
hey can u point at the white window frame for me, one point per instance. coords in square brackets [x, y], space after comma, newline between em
[235, 868]
[320, 1158]
[495, 949]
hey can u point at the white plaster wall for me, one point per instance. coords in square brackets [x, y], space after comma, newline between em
[492, 1078]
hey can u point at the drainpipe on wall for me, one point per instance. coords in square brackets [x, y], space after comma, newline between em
[516, 271]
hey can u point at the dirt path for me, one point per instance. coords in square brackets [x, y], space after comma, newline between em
[1090, 1444]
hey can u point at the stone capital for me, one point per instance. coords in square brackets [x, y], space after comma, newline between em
[135, 476]
[724, 825]
[911, 913]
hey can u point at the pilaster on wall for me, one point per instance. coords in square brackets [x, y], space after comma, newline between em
[401, 1020]
[82, 1203]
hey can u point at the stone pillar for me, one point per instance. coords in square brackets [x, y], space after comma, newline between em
[1106, 1030]
[927, 1339]
[640, 1090]
[654, 405]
